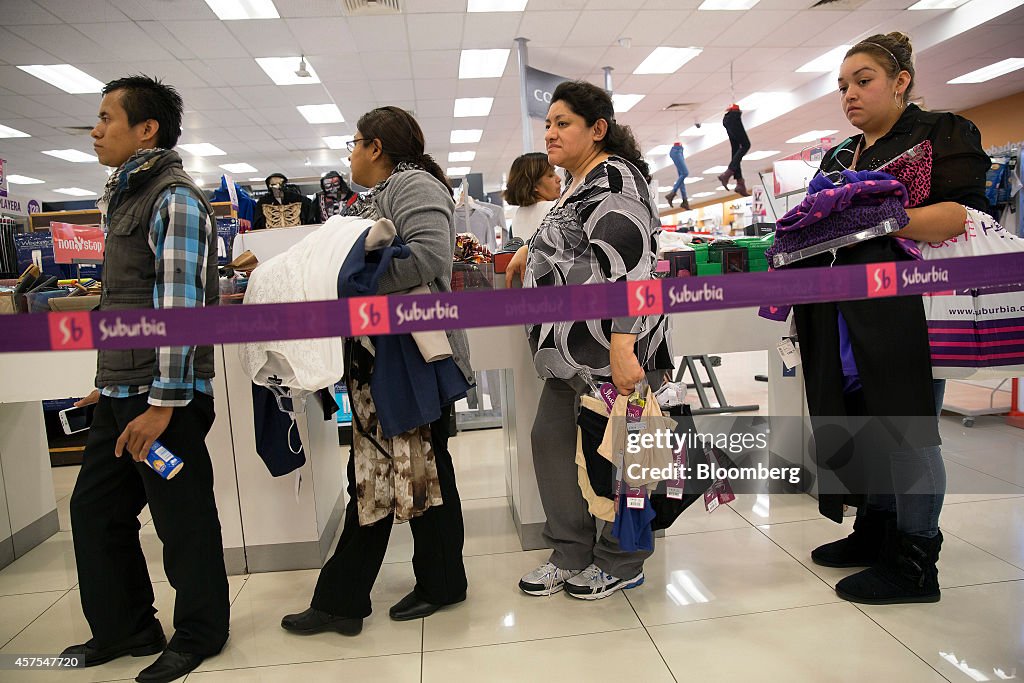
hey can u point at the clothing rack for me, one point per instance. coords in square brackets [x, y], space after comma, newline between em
[1010, 216]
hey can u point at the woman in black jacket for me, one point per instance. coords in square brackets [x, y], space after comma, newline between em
[896, 532]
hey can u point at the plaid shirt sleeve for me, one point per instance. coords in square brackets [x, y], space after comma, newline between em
[179, 237]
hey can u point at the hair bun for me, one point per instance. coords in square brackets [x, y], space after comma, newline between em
[901, 39]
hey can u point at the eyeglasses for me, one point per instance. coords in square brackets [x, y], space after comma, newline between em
[351, 144]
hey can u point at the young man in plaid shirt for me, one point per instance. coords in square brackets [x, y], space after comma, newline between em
[160, 252]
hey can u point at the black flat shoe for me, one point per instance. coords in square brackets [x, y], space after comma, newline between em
[169, 666]
[412, 607]
[148, 641]
[314, 621]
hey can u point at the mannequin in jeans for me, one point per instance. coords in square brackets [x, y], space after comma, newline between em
[733, 122]
[676, 155]
[896, 534]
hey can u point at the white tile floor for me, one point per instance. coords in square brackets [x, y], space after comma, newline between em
[730, 596]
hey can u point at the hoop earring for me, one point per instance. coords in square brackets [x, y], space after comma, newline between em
[896, 97]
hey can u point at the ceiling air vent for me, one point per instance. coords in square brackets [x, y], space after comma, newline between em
[362, 8]
[681, 106]
[838, 4]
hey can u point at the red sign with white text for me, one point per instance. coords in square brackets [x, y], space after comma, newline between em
[644, 298]
[77, 243]
[70, 330]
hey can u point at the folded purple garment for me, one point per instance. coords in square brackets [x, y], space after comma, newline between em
[845, 222]
[861, 188]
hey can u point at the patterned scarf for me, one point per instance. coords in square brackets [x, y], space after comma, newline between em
[364, 206]
[118, 180]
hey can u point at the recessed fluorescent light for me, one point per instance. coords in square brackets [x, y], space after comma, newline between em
[727, 4]
[461, 156]
[937, 4]
[255, 179]
[68, 78]
[759, 99]
[826, 63]
[75, 191]
[496, 5]
[465, 135]
[715, 169]
[690, 180]
[71, 155]
[23, 180]
[473, 106]
[483, 63]
[660, 150]
[229, 10]
[239, 168]
[666, 60]
[991, 71]
[338, 141]
[203, 149]
[282, 70]
[763, 154]
[811, 136]
[702, 194]
[624, 103]
[457, 170]
[321, 113]
[8, 132]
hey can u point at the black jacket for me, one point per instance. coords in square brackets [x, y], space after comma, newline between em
[889, 336]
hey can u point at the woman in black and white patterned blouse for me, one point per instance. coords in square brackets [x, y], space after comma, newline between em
[603, 229]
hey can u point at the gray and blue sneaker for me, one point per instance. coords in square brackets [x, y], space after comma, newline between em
[594, 584]
[546, 579]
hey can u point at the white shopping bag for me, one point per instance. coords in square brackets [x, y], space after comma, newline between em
[976, 333]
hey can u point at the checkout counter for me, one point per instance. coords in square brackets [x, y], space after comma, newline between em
[273, 524]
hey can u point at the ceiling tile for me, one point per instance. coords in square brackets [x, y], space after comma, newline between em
[372, 33]
[21, 12]
[66, 43]
[81, 11]
[207, 39]
[322, 36]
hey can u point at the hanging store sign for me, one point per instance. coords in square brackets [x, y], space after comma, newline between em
[3, 178]
[539, 86]
[16, 206]
[77, 243]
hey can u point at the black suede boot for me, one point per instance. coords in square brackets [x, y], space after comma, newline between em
[905, 572]
[859, 549]
[670, 197]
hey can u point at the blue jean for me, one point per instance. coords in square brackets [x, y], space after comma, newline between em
[676, 155]
[919, 482]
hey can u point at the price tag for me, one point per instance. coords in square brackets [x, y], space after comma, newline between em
[710, 499]
[635, 499]
[787, 351]
[675, 492]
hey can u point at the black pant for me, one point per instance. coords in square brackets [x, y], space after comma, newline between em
[117, 596]
[740, 144]
[343, 588]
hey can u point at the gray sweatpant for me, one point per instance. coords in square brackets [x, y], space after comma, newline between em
[570, 529]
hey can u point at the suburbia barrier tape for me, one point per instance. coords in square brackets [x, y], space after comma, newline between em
[142, 328]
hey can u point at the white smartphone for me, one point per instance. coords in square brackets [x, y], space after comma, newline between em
[75, 420]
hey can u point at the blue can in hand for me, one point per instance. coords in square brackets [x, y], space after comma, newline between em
[163, 462]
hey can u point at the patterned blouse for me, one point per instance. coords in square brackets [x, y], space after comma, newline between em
[604, 232]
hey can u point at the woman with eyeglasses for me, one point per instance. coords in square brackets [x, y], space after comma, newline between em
[871, 357]
[409, 188]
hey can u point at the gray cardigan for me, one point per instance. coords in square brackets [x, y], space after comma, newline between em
[421, 209]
